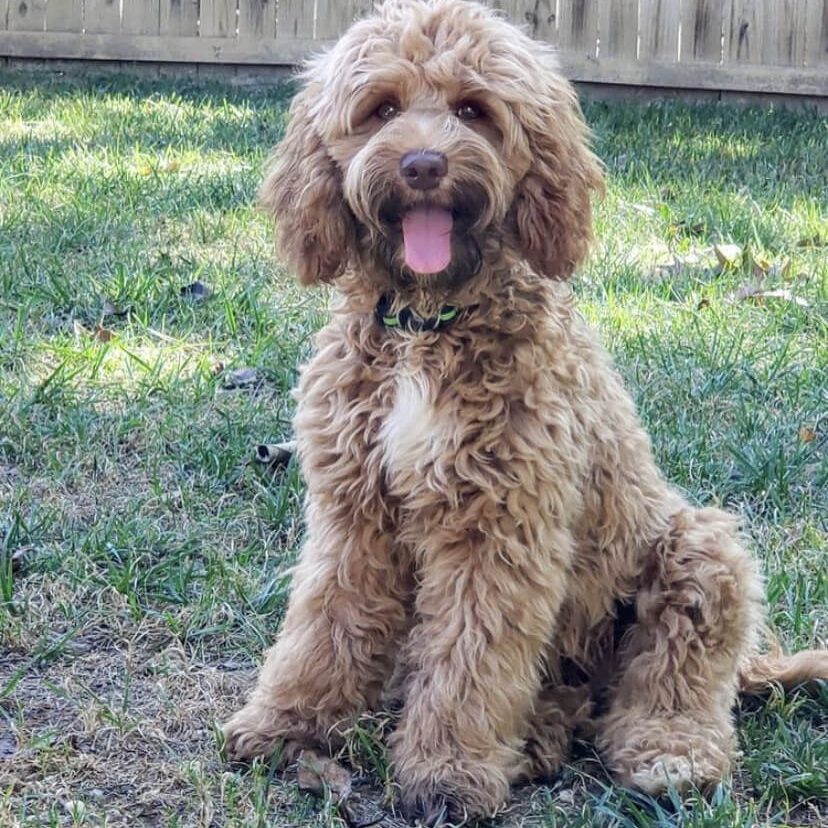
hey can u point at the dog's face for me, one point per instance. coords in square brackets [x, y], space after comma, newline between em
[433, 140]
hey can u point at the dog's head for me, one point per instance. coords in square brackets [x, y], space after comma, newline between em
[435, 138]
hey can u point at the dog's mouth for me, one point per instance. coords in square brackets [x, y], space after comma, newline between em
[433, 235]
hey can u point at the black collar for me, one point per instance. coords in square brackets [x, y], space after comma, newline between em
[407, 320]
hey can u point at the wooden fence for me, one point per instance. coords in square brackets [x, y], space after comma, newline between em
[743, 45]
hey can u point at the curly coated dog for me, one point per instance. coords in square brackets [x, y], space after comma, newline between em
[488, 536]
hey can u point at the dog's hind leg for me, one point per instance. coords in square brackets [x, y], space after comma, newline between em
[698, 613]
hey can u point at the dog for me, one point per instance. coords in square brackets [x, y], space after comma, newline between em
[489, 539]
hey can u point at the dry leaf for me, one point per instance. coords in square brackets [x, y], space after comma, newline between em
[320, 775]
[103, 334]
[8, 746]
[196, 292]
[241, 378]
[782, 293]
[171, 166]
[812, 241]
[807, 434]
[729, 255]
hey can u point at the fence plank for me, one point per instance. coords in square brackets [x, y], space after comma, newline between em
[179, 18]
[102, 16]
[140, 17]
[542, 17]
[578, 27]
[658, 22]
[217, 18]
[816, 37]
[333, 17]
[257, 18]
[701, 30]
[784, 26]
[294, 18]
[64, 16]
[516, 10]
[27, 15]
[743, 37]
[618, 29]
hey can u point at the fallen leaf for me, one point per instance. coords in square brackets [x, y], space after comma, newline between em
[110, 310]
[566, 796]
[729, 255]
[8, 746]
[807, 434]
[755, 293]
[320, 775]
[145, 170]
[241, 378]
[171, 166]
[703, 303]
[196, 292]
[18, 558]
[812, 241]
[782, 293]
[761, 265]
[744, 292]
[103, 334]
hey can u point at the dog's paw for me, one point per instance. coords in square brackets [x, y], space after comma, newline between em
[442, 793]
[255, 732]
[658, 754]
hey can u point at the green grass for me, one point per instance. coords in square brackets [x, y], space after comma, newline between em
[143, 557]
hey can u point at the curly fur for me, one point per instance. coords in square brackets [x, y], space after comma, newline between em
[485, 518]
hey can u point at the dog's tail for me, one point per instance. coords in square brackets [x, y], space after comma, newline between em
[760, 671]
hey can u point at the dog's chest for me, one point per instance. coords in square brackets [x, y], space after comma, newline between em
[415, 430]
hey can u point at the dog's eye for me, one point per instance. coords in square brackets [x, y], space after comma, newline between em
[468, 111]
[387, 111]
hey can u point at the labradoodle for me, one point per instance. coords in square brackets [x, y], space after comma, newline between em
[486, 525]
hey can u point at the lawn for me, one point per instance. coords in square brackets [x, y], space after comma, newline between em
[144, 553]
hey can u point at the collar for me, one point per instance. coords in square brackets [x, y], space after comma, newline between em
[408, 320]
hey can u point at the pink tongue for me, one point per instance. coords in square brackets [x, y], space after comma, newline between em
[427, 237]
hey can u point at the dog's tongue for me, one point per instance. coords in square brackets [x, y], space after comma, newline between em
[427, 238]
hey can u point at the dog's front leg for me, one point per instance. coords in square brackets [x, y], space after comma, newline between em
[486, 603]
[333, 654]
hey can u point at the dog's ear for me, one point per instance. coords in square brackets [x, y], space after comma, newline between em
[303, 192]
[552, 211]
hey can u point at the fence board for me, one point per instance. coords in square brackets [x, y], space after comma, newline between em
[179, 18]
[618, 29]
[701, 30]
[102, 16]
[64, 16]
[515, 10]
[257, 18]
[294, 18]
[816, 37]
[543, 21]
[140, 18]
[785, 41]
[578, 27]
[217, 18]
[27, 15]
[658, 23]
[334, 16]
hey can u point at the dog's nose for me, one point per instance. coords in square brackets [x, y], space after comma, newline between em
[423, 169]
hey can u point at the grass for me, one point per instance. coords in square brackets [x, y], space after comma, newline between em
[143, 557]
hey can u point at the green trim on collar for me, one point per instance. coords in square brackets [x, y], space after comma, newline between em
[407, 320]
